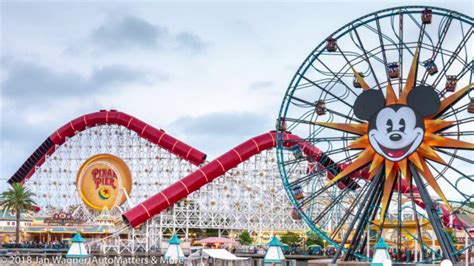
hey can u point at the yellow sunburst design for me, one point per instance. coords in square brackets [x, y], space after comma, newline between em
[425, 151]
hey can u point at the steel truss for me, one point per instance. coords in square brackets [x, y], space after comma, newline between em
[249, 197]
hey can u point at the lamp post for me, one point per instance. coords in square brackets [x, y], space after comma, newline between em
[274, 253]
[174, 253]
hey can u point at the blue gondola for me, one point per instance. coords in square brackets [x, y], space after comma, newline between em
[298, 192]
[297, 152]
[430, 67]
[356, 82]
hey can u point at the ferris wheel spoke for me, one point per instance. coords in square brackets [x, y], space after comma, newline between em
[361, 214]
[336, 200]
[441, 175]
[415, 216]
[296, 161]
[327, 139]
[459, 157]
[312, 196]
[451, 60]
[369, 214]
[401, 45]
[327, 91]
[455, 134]
[379, 32]
[337, 76]
[463, 121]
[370, 54]
[344, 116]
[327, 168]
[454, 112]
[445, 245]
[327, 109]
[376, 31]
[422, 32]
[367, 58]
[350, 210]
[437, 48]
[466, 69]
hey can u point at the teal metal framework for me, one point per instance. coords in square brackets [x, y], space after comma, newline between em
[317, 76]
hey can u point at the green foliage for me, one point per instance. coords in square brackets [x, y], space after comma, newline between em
[245, 238]
[314, 240]
[17, 199]
[290, 238]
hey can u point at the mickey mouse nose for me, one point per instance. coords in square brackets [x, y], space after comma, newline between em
[395, 137]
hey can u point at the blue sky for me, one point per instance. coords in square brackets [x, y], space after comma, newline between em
[211, 74]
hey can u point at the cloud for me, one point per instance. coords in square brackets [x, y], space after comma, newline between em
[222, 124]
[261, 85]
[37, 99]
[31, 82]
[216, 133]
[190, 41]
[130, 32]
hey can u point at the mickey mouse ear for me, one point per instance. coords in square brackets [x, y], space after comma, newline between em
[368, 103]
[424, 100]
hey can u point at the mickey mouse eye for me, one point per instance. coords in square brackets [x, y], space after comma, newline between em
[389, 125]
[402, 125]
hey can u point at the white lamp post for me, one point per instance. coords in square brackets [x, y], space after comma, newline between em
[381, 255]
[274, 253]
[174, 253]
[77, 248]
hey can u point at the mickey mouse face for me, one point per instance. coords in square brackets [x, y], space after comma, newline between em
[396, 131]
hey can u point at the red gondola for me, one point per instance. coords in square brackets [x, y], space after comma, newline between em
[470, 107]
[393, 70]
[295, 215]
[331, 44]
[451, 82]
[281, 124]
[320, 107]
[426, 16]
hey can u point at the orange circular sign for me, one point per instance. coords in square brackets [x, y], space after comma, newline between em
[103, 180]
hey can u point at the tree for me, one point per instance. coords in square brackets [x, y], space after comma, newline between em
[17, 199]
[290, 238]
[245, 238]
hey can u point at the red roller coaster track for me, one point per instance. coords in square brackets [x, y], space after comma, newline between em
[207, 173]
[144, 130]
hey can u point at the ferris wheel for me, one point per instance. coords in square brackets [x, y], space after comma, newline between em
[388, 100]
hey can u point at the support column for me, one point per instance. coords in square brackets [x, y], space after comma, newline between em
[443, 240]
[368, 196]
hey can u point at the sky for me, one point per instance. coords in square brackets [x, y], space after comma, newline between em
[210, 74]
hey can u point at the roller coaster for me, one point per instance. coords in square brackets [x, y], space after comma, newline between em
[317, 169]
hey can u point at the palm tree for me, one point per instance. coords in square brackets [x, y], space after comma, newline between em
[17, 199]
